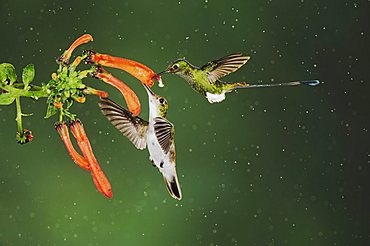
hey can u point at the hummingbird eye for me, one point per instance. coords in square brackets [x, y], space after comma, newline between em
[176, 66]
[161, 100]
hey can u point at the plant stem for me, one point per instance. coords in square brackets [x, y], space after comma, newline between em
[19, 115]
[61, 115]
[25, 93]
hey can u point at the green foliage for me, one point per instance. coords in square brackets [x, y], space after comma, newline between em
[51, 110]
[7, 73]
[28, 74]
[6, 98]
[65, 87]
[61, 91]
[3, 76]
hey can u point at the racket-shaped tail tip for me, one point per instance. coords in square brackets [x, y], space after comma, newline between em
[310, 82]
[173, 187]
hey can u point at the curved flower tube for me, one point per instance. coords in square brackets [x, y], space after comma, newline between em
[136, 69]
[131, 98]
[76, 157]
[92, 91]
[88, 160]
[99, 178]
[81, 40]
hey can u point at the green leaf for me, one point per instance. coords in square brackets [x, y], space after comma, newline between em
[10, 72]
[28, 74]
[3, 76]
[6, 99]
[50, 111]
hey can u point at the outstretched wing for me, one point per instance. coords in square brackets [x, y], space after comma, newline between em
[164, 131]
[224, 66]
[134, 128]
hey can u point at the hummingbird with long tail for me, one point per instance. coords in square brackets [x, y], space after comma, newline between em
[206, 79]
[157, 135]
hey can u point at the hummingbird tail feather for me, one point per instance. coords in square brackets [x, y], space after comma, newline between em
[238, 85]
[310, 82]
[173, 187]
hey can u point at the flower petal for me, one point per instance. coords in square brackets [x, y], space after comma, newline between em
[131, 98]
[100, 180]
[76, 157]
[81, 40]
[136, 69]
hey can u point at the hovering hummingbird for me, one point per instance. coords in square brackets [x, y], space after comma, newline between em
[206, 80]
[157, 135]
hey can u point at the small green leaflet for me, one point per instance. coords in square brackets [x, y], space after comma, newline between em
[6, 99]
[7, 71]
[2, 73]
[50, 111]
[28, 74]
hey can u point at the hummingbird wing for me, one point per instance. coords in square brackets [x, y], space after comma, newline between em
[224, 66]
[134, 128]
[164, 131]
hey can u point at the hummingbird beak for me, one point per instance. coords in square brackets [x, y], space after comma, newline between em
[163, 72]
[148, 90]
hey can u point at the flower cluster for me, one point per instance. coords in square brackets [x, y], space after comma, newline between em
[66, 87]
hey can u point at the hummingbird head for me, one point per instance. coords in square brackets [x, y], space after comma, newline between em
[177, 67]
[158, 105]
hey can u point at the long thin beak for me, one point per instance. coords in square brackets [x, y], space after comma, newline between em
[148, 90]
[163, 72]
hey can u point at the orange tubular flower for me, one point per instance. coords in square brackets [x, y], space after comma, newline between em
[98, 186]
[80, 99]
[58, 105]
[95, 92]
[131, 98]
[76, 157]
[81, 40]
[99, 178]
[136, 69]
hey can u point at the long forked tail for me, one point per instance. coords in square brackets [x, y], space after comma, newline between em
[173, 187]
[247, 85]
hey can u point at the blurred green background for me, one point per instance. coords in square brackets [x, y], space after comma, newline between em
[275, 166]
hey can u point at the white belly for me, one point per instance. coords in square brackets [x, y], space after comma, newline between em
[215, 98]
[155, 151]
[158, 157]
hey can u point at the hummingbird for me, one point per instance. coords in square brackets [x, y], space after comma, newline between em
[206, 80]
[157, 135]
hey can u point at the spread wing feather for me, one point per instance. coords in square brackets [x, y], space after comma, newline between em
[164, 131]
[134, 128]
[224, 66]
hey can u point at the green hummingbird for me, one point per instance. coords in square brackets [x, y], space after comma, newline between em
[206, 80]
[157, 134]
